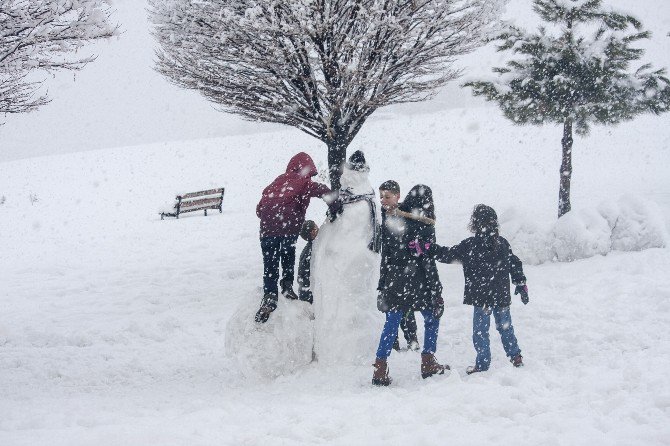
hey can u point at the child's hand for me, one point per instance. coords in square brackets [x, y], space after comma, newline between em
[334, 209]
[417, 247]
[438, 306]
[382, 304]
[523, 290]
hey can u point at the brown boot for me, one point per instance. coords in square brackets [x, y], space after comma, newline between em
[380, 377]
[430, 366]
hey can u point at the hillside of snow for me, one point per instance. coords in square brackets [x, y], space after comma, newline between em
[113, 322]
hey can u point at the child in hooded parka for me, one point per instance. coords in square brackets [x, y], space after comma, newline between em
[281, 210]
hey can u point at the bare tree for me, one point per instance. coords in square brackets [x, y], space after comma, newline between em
[322, 66]
[44, 35]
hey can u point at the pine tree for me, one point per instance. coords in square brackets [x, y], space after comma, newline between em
[575, 71]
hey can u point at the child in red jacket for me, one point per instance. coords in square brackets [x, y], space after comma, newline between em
[282, 211]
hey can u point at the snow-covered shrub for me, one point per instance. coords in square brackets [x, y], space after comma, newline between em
[580, 234]
[627, 224]
[529, 239]
[636, 224]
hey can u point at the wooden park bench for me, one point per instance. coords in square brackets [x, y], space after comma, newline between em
[197, 201]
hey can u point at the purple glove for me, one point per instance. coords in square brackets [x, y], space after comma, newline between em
[417, 248]
[523, 290]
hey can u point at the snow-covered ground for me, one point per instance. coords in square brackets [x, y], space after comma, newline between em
[113, 322]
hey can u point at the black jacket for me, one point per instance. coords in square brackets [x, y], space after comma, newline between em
[488, 263]
[406, 282]
[304, 271]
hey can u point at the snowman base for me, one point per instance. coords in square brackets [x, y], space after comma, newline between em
[278, 347]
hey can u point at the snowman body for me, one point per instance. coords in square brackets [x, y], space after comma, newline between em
[345, 274]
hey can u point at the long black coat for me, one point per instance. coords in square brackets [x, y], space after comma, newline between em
[406, 282]
[487, 265]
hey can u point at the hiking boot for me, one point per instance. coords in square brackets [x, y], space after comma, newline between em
[517, 361]
[287, 290]
[396, 345]
[268, 305]
[473, 369]
[430, 366]
[381, 377]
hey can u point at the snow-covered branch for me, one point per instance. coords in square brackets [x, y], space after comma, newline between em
[45, 35]
[323, 66]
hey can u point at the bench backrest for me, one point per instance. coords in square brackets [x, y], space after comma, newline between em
[185, 204]
[202, 193]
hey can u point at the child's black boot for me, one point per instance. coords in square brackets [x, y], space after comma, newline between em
[268, 305]
[287, 289]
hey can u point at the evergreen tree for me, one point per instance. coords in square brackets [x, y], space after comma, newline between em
[575, 71]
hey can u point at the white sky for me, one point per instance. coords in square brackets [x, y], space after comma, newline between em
[120, 101]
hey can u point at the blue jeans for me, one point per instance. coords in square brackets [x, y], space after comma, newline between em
[390, 333]
[481, 322]
[276, 249]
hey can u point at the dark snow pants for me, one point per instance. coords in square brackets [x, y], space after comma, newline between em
[408, 326]
[276, 250]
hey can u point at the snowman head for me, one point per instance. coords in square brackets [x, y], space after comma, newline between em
[357, 162]
[355, 172]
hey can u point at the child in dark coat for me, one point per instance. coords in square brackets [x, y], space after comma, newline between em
[407, 282]
[488, 263]
[308, 232]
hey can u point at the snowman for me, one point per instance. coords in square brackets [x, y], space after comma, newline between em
[345, 272]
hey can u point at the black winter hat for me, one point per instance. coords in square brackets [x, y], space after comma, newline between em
[357, 162]
[419, 198]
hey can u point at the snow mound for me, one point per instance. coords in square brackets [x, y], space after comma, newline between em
[527, 237]
[278, 347]
[628, 224]
[636, 224]
[579, 235]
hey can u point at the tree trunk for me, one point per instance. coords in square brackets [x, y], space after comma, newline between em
[566, 169]
[337, 153]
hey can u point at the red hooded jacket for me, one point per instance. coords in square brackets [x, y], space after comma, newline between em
[284, 202]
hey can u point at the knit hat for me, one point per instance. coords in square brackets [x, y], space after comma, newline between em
[357, 162]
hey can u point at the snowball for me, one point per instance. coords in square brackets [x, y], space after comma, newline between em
[278, 347]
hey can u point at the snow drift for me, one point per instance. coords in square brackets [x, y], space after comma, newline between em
[629, 224]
